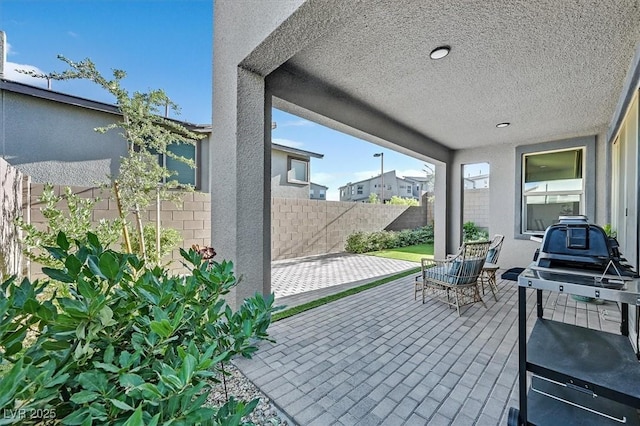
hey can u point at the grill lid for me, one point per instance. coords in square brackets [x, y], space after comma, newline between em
[575, 243]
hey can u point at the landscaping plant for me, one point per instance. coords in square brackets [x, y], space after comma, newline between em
[364, 242]
[147, 135]
[128, 346]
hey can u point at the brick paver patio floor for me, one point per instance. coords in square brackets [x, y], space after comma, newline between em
[379, 357]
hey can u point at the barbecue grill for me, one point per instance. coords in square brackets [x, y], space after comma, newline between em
[577, 375]
[574, 250]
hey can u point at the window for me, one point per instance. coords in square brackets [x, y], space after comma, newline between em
[185, 175]
[312, 192]
[408, 189]
[360, 189]
[298, 171]
[353, 190]
[553, 186]
[322, 194]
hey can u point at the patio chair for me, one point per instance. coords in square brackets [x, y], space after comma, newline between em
[491, 265]
[454, 280]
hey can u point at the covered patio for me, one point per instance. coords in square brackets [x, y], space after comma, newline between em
[380, 357]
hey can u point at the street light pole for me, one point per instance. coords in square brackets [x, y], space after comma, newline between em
[381, 155]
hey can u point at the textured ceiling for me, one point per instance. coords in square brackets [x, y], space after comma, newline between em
[552, 68]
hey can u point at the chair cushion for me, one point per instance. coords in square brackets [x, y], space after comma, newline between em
[470, 271]
[492, 255]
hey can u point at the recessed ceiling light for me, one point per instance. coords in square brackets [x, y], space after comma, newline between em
[502, 125]
[440, 52]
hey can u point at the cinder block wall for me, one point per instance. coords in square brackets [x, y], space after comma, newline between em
[414, 216]
[309, 227]
[476, 207]
[299, 227]
[192, 219]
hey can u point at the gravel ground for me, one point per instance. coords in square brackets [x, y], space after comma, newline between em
[265, 413]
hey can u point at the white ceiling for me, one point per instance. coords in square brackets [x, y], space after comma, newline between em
[552, 68]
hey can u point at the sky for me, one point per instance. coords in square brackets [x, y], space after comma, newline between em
[167, 44]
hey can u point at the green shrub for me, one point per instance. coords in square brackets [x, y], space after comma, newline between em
[129, 345]
[471, 232]
[403, 201]
[363, 242]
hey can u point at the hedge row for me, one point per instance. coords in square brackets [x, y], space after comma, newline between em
[364, 242]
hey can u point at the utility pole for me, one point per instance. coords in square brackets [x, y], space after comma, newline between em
[381, 155]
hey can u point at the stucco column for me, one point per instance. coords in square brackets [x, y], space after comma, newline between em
[441, 208]
[240, 190]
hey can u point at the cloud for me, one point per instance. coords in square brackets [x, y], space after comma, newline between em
[10, 73]
[72, 34]
[297, 123]
[288, 142]
[9, 49]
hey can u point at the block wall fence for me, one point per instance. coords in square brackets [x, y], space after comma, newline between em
[476, 207]
[299, 227]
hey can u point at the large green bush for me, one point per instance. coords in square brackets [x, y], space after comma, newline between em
[364, 242]
[471, 232]
[128, 346]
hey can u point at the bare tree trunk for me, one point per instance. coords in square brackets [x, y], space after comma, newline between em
[125, 230]
[143, 250]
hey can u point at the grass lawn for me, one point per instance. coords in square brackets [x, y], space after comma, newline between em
[410, 253]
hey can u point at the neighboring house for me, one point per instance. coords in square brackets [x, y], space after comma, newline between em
[476, 182]
[393, 186]
[50, 136]
[291, 171]
[423, 184]
[317, 191]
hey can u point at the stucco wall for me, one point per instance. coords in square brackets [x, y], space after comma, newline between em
[54, 142]
[280, 187]
[503, 199]
[11, 196]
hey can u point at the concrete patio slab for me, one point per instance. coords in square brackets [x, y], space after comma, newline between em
[380, 357]
[299, 280]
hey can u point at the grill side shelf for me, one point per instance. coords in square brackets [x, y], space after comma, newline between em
[600, 362]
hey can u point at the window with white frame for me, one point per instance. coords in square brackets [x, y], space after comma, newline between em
[408, 189]
[298, 170]
[553, 186]
[322, 193]
[360, 189]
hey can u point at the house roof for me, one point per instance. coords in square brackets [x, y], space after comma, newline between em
[317, 184]
[371, 178]
[64, 98]
[296, 151]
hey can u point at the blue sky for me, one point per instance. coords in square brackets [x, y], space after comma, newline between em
[167, 44]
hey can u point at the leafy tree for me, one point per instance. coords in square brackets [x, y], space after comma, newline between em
[373, 198]
[403, 201]
[147, 134]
